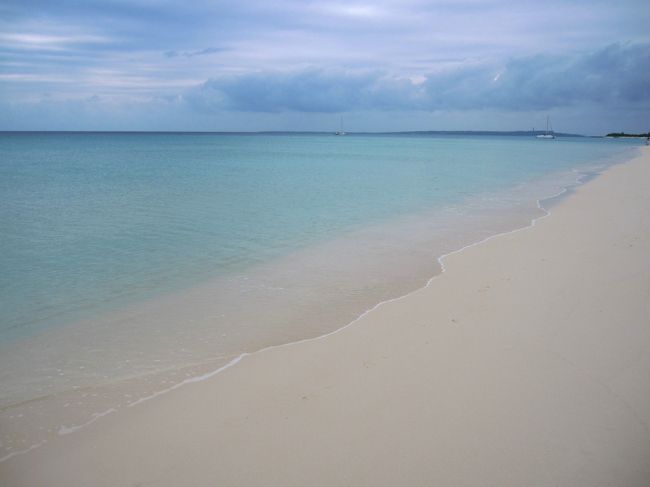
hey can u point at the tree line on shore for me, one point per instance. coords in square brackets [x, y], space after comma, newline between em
[623, 134]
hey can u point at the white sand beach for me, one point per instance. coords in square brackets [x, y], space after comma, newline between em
[526, 363]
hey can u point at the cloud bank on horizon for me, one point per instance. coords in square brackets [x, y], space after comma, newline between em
[299, 65]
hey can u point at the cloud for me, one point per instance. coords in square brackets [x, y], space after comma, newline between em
[312, 90]
[201, 52]
[47, 40]
[613, 76]
[289, 59]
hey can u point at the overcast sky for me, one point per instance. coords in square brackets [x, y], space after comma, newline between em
[302, 65]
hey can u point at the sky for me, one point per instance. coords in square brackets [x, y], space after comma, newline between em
[253, 65]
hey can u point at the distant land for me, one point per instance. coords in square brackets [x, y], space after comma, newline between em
[623, 134]
[522, 133]
[529, 133]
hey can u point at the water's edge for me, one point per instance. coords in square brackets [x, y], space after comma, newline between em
[543, 204]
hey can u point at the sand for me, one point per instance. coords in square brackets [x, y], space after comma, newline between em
[527, 362]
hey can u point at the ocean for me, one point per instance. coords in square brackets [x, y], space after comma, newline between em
[132, 261]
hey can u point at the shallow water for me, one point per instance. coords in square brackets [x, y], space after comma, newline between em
[94, 221]
[132, 261]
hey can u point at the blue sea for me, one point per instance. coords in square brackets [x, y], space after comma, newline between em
[127, 254]
[91, 221]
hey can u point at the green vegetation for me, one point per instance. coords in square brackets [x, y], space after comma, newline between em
[623, 134]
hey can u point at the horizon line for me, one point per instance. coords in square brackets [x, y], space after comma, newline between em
[279, 132]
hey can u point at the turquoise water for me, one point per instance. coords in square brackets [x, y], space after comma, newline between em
[131, 262]
[90, 222]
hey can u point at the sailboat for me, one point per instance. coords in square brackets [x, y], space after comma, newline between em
[549, 133]
[340, 131]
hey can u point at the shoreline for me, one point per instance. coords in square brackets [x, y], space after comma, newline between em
[201, 371]
[256, 357]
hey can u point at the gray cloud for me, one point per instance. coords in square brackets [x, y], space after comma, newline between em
[313, 90]
[291, 57]
[613, 76]
[200, 52]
